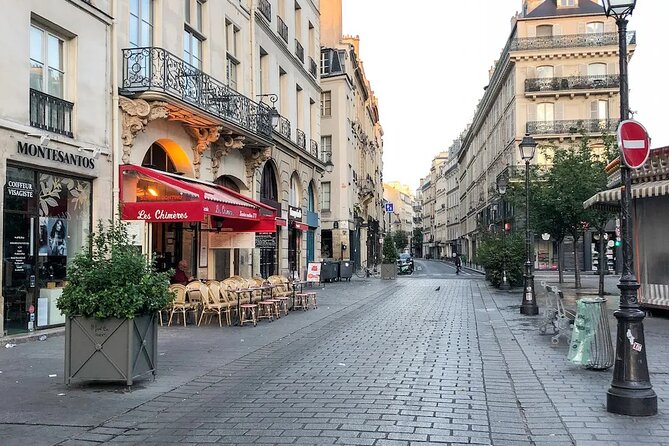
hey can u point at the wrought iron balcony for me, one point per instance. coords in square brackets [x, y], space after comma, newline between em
[313, 68]
[282, 28]
[265, 8]
[299, 50]
[572, 83]
[314, 149]
[284, 127]
[158, 70]
[301, 139]
[569, 41]
[50, 113]
[572, 126]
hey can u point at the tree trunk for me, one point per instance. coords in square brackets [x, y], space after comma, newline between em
[560, 261]
[577, 270]
[603, 261]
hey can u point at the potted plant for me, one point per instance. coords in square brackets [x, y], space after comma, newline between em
[110, 303]
[389, 264]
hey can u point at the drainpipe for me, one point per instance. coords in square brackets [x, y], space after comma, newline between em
[116, 137]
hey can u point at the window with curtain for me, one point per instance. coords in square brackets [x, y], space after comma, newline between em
[294, 191]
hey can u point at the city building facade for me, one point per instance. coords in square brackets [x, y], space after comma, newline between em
[352, 137]
[56, 161]
[433, 226]
[556, 79]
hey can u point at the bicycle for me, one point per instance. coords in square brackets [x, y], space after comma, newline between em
[365, 272]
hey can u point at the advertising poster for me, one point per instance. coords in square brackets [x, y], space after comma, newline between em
[52, 236]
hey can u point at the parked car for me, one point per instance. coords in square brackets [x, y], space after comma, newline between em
[405, 263]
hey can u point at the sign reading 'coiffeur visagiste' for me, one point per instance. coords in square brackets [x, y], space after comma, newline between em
[58, 156]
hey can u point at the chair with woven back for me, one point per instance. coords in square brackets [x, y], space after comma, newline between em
[179, 304]
[213, 304]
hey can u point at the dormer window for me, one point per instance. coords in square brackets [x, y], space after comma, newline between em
[568, 3]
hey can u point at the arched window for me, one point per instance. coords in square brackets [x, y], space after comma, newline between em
[311, 205]
[227, 182]
[545, 71]
[268, 189]
[295, 199]
[157, 158]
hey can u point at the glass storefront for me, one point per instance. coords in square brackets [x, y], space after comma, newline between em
[46, 221]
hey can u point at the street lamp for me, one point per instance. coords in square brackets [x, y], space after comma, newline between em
[273, 113]
[502, 183]
[631, 392]
[529, 306]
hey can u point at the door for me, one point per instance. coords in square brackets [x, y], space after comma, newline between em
[18, 271]
[310, 246]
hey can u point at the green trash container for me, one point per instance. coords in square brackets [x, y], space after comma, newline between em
[591, 344]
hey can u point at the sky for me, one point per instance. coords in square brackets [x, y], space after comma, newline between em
[428, 61]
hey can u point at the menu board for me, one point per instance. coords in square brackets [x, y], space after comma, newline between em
[266, 240]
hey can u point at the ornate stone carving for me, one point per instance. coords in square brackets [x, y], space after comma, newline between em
[254, 159]
[137, 113]
[224, 145]
[202, 137]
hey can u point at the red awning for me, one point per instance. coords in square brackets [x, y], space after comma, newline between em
[156, 196]
[301, 226]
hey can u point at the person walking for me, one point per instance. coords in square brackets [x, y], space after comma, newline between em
[458, 263]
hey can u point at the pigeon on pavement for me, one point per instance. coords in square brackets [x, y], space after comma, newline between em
[438, 288]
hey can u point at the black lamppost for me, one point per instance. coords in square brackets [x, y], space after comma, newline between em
[502, 183]
[631, 392]
[529, 306]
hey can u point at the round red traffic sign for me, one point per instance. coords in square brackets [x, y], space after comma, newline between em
[634, 143]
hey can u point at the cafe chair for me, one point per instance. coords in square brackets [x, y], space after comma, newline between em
[212, 303]
[179, 304]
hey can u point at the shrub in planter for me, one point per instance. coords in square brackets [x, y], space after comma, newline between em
[110, 303]
[495, 253]
[389, 263]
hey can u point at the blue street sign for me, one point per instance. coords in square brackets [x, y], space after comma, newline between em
[390, 207]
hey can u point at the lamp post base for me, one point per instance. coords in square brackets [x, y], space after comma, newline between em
[505, 282]
[529, 306]
[633, 402]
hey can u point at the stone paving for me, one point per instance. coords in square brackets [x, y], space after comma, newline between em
[396, 363]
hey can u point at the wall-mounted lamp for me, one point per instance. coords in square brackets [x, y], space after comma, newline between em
[44, 139]
[273, 113]
[95, 151]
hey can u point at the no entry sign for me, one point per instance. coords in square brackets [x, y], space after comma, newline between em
[634, 143]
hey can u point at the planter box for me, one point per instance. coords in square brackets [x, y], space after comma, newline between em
[388, 271]
[110, 349]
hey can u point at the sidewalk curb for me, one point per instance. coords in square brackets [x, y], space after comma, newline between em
[31, 337]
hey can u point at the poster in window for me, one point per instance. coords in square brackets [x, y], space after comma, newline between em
[56, 237]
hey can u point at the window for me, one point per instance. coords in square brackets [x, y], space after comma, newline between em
[594, 28]
[193, 13]
[567, 3]
[326, 104]
[597, 69]
[545, 31]
[545, 71]
[231, 46]
[326, 148]
[295, 199]
[325, 196]
[47, 72]
[141, 23]
[157, 158]
[192, 49]
[599, 110]
[545, 112]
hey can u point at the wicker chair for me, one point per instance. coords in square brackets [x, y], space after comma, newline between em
[213, 304]
[179, 304]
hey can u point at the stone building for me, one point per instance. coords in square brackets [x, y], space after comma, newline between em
[352, 137]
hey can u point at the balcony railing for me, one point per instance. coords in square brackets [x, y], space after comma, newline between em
[299, 50]
[569, 41]
[156, 69]
[284, 127]
[265, 8]
[313, 67]
[313, 148]
[50, 113]
[572, 126]
[572, 83]
[282, 28]
[301, 139]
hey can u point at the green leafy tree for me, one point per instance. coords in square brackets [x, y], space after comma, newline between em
[401, 239]
[496, 253]
[417, 241]
[389, 250]
[113, 278]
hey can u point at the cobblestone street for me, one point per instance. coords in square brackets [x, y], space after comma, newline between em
[378, 363]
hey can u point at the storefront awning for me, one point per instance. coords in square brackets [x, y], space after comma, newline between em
[155, 196]
[641, 190]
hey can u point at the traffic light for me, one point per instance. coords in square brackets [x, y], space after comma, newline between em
[617, 242]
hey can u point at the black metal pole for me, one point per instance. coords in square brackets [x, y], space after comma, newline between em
[529, 306]
[631, 392]
[505, 280]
